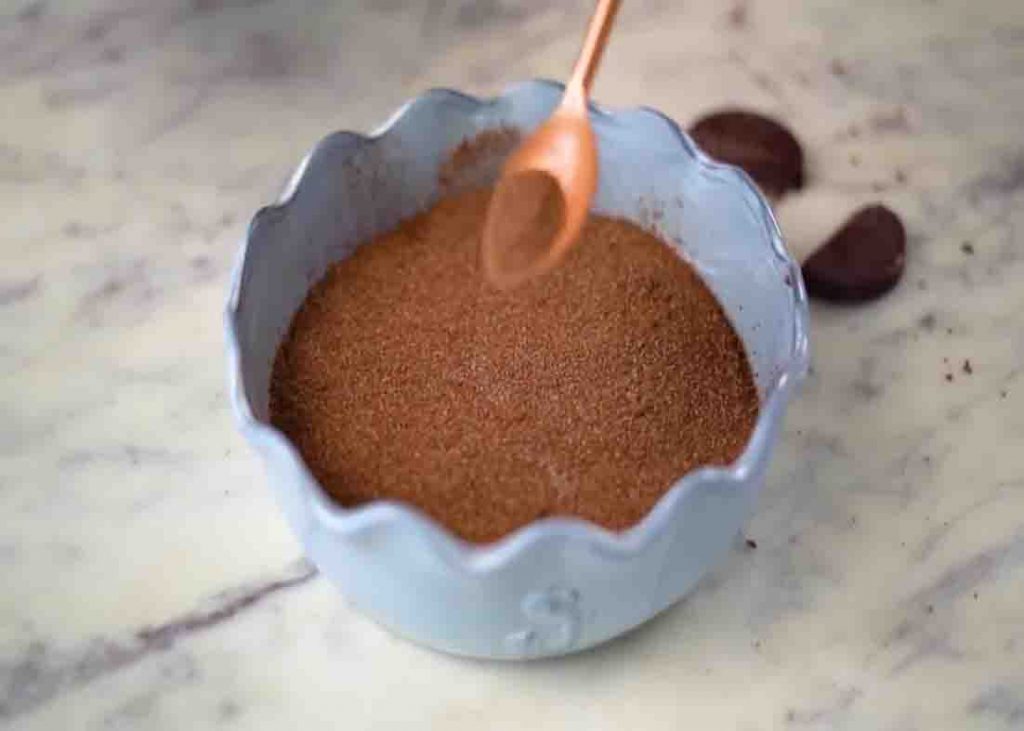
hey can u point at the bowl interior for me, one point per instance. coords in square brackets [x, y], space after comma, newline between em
[351, 188]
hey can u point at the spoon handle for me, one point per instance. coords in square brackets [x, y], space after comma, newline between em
[593, 44]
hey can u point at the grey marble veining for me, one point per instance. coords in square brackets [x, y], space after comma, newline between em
[149, 581]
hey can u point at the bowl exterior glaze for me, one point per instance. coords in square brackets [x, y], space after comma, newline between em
[558, 585]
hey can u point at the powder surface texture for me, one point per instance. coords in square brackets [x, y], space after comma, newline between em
[586, 392]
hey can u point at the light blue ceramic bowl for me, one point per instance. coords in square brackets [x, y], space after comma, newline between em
[557, 585]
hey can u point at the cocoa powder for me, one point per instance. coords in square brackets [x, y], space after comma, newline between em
[477, 159]
[586, 392]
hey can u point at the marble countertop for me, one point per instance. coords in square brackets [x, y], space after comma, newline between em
[148, 580]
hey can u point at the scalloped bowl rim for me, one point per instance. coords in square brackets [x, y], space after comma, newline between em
[484, 558]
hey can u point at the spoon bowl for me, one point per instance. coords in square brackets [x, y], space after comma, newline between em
[540, 203]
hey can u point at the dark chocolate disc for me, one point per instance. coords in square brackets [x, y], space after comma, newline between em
[767, 151]
[862, 260]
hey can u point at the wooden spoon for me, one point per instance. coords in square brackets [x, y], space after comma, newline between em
[540, 202]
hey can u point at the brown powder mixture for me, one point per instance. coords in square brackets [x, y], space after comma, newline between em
[477, 159]
[586, 392]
